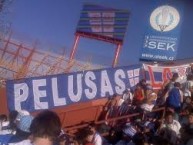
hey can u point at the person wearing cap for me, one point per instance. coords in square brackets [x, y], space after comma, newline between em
[22, 135]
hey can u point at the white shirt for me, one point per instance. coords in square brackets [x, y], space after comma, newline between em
[147, 107]
[127, 96]
[97, 139]
[175, 126]
[7, 131]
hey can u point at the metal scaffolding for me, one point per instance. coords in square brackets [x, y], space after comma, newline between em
[19, 61]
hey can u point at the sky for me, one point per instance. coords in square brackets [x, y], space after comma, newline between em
[52, 23]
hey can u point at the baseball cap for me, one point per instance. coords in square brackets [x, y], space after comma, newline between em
[25, 122]
[22, 113]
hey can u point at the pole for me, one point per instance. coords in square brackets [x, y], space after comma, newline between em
[115, 61]
[77, 37]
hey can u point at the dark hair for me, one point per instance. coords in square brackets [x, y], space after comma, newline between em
[175, 75]
[3, 117]
[47, 125]
[169, 113]
[177, 84]
[12, 117]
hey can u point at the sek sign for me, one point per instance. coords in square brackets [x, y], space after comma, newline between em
[64, 89]
[161, 45]
[162, 35]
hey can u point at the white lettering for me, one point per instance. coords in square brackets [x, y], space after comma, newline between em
[75, 97]
[105, 84]
[161, 46]
[120, 83]
[21, 92]
[57, 101]
[89, 77]
[152, 45]
[171, 46]
[39, 94]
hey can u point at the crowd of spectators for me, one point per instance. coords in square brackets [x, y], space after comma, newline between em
[171, 126]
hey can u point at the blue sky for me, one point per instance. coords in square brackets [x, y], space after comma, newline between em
[53, 24]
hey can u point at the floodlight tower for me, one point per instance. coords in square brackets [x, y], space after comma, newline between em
[103, 24]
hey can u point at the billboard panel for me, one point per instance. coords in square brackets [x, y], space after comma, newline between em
[162, 35]
[106, 23]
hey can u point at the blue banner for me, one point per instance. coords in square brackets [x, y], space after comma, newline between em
[52, 91]
[163, 33]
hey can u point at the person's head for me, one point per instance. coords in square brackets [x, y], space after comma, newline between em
[13, 115]
[3, 117]
[166, 136]
[189, 77]
[148, 89]
[142, 82]
[169, 117]
[45, 126]
[152, 94]
[138, 86]
[12, 119]
[188, 100]
[191, 65]
[89, 135]
[148, 126]
[177, 84]
[175, 76]
[190, 118]
[93, 127]
[188, 109]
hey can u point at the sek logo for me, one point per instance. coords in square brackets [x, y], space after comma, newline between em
[164, 18]
[161, 45]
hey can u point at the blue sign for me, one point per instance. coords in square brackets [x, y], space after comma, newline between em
[64, 89]
[163, 33]
[101, 21]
